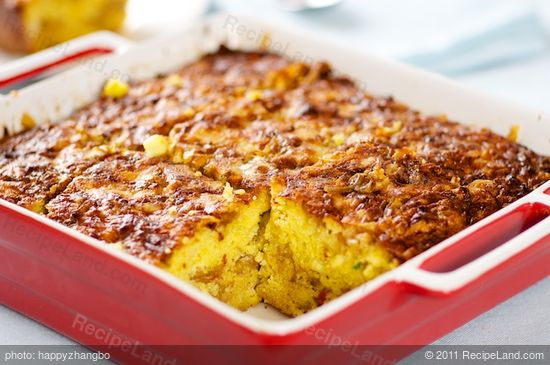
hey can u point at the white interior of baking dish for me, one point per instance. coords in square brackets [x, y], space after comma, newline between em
[58, 96]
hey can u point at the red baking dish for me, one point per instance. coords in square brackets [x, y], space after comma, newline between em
[113, 302]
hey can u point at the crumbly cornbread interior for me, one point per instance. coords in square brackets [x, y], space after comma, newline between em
[261, 179]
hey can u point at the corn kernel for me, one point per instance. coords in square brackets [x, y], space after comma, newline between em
[281, 84]
[396, 126]
[151, 208]
[317, 265]
[117, 246]
[174, 80]
[173, 212]
[189, 112]
[156, 145]
[53, 189]
[294, 70]
[240, 91]
[254, 95]
[513, 133]
[337, 261]
[115, 88]
[27, 121]
[339, 139]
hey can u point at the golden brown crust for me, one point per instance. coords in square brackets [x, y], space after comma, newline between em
[29, 181]
[155, 106]
[246, 135]
[368, 162]
[146, 204]
[411, 196]
[38, 164]
[46, 140]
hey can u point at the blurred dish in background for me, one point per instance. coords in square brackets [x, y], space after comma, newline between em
[32, 25]
[147, 18]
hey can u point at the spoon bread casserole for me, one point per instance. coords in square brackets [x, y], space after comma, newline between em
[261, 179]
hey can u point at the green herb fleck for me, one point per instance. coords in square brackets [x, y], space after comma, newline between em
[357, 266]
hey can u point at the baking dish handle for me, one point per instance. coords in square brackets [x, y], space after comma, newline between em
[22, 71]
[447, 282]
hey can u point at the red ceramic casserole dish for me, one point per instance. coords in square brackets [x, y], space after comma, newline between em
[110, 301]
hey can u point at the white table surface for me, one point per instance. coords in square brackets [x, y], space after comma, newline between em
[426, 26]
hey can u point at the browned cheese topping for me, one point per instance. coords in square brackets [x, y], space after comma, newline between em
[251, 120]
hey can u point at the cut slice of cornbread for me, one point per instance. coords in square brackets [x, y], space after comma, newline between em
[38, 164]
[311, 257]
[127, 114]
[30, 181]
[365, 221]
[200, 230]
[288, 121]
